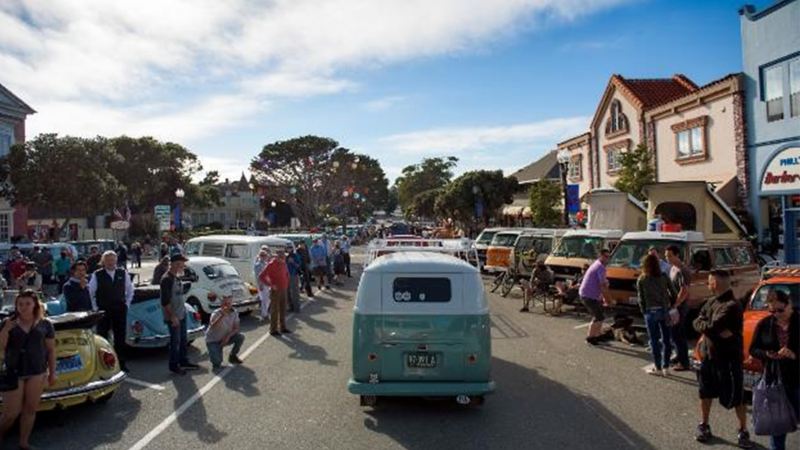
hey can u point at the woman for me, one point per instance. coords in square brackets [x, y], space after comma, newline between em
[338, 263]
[30, 279]
[655, 298]
[62, 269]
[28, 342]
[776, 340]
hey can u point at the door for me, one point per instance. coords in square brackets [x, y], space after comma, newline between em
[791, 236]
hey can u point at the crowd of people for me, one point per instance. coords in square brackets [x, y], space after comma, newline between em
[662, 290]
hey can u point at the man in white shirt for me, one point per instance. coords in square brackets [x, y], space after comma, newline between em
[111, 290]
[223, 330]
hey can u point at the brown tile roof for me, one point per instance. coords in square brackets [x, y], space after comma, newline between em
[545, 167]
[655, 91]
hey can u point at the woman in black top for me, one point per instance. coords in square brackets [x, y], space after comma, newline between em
[28, 341]
[776, 340]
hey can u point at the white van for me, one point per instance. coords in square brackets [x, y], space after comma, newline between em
[241, 251]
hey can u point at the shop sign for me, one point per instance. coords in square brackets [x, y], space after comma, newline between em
[783, 172]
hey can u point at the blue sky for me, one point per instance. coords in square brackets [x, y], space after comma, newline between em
[495, 83]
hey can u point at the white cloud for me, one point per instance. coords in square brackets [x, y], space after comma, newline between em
[463, 140]
[96, 66]
[230, 168]
[384, 103]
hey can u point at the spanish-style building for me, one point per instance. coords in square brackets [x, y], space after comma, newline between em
[13, 112]
[694, 132]
[241, 207]
[771, 57]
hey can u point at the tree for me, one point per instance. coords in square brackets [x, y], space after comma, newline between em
[311, 174]
[391, 201]
[637, 171]
[424, 204]
[66, 176]
[488, 188]
[205, 194]
[545, 201]
[431, 173]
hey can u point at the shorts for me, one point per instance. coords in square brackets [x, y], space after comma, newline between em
[595, 308]
[722, 379]
[321, 271]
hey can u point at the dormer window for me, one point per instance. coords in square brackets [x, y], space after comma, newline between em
[617, 122]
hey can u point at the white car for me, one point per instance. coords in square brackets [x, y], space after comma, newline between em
[213, 278]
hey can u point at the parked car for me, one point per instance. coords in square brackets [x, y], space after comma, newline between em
[102, 245]
[786, 279]
[577, 248]
[241, 251]
[26, 249]
[86, 365]
[213, 278]
[482, 243]
[421, 328]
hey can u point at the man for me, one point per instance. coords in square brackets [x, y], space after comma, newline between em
[662, 263]
[159, 271]
[293, 266]
[328, 258]
[44, 263]
[16, 268]
[76, 289]
[594, 292]
[305, 268]
[93, 261]
[276, 276]
[319, 264]
[223, 330]
[345, 247]
[31, 278]
[111, 290]
[680, 276]
[541, 279]
[122, 255]
[263, 290]
[720, 375]
[173, 304]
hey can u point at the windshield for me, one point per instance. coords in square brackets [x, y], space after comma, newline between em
[485, 237]
[220, 271]
[760, 299]
[630, 253]
[504, 240]
[579, 247]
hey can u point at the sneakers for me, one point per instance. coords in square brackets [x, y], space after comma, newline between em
[524, 309]
[189, 366]
[592, 341]
[743, 439]
[703, 433]
[665, 372]
[654, 371]
[233, 359]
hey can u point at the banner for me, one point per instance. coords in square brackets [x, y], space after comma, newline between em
[573, 198]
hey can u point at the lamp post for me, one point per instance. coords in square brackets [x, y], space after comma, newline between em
[179, 194]
[476, 192]
[563, 158]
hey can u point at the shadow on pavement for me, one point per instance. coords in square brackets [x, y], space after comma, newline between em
[319, 306]
[307, 352]
[243, 379]
[527, 411]
[195, 419]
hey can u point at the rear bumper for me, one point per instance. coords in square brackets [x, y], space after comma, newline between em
[76, 395]
[420, 389]
[162, 340]
[247, 305]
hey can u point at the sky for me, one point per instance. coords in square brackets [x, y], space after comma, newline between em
[496, 83]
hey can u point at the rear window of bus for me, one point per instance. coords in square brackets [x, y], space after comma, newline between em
[421, 290]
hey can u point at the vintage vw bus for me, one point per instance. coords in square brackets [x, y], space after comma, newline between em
[482, 243]
[241, 251]
[421, 328]
[498, 254]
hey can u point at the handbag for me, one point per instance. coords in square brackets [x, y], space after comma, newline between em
[772, 413]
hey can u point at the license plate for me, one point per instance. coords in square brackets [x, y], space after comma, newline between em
[421, 360]
[69, 364]
[633, 300]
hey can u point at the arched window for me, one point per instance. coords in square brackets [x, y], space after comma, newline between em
[617, 121]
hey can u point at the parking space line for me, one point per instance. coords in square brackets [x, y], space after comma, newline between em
[161, 427]
[141, 383]
[587, 324]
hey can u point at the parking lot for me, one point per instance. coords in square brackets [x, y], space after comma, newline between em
[553, 391]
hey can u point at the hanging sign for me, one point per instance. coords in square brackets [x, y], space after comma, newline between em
[783, 172]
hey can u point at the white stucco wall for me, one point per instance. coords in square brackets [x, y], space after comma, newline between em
[633, 134]
[720, 164]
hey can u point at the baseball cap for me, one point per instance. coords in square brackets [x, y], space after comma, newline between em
[177, 257]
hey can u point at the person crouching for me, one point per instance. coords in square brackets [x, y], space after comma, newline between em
[223, 330]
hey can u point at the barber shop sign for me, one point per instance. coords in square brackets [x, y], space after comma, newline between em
[782, 172]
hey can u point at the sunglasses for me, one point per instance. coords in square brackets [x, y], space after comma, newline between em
[777, 311]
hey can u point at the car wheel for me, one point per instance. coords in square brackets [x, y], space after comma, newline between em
[508, 284]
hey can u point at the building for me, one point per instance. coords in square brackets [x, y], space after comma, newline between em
[694, 133]
[518, 212]
[771, 61]
[240, 208]
[13, 112]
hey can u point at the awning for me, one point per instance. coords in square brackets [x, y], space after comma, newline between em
[526, 212]
[512, 210]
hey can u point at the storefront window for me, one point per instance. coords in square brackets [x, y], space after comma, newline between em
[794, 87]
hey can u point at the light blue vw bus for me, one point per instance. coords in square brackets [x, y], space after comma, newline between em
[421, 328]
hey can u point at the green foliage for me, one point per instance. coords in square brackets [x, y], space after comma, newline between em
[431, 173]
[311, 173]
[637, 171]
[392, 201]
[424, 204]
[457, 200]
[545, 203]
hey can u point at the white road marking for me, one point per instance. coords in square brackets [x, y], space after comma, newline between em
[141, 383]
[586, 325]
[142, 443]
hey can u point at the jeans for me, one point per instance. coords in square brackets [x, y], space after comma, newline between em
[215, 348]
[178, 342]
[793, 394]
[346, 257]
[294, 294]
[658, 331]
[679, 337]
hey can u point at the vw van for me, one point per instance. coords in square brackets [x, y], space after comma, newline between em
[482, 243]
[421, 328]
[577, 248]
[241, 251]
[498, 254]
[532, 245]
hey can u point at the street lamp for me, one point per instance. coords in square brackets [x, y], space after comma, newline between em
[179, 194]
[564, 156]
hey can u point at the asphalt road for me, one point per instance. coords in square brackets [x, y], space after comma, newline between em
[553, 391]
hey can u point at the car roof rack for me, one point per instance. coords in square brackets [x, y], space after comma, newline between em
[778, 269]
[456, 247]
